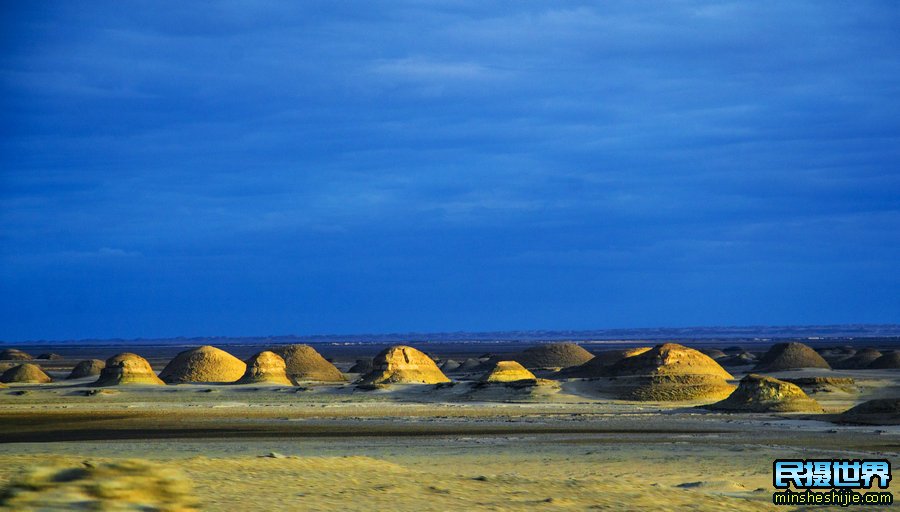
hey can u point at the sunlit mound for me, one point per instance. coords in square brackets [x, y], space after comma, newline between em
[758, 393]
[25, 373]
[404, 365]
[126, 485]
[305, 364]
[265, 368]
[203, 364]
[673, 388]
[554, 356]
[670, 372]
[861, 359]
[882, 411]
[886, 361]
[598, 366]
[127, 369]
[789, 356]
[669, 359]
[87, 368]
[14, 354]
[507, 371]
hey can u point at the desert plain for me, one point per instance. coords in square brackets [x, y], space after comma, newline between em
[569, 443]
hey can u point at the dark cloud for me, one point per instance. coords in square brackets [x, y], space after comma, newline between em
[254, 167]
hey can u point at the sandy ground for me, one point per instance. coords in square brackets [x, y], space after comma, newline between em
[417, 448]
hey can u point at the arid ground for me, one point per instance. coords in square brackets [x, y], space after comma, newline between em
[335, 447]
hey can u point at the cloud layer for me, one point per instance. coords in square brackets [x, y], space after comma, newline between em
[246, 168]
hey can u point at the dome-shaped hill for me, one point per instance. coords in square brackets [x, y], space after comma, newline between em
[126, 369]
[449, 365]
[600, 363]
[758, 393]
[553, 356]
[825, 384]
[739, 359]
[14, 354]
[402, 364]
[672, 388]
[670, 372]
[87, 368]
[713, 353]
[25, 373]
[669, 359]
[266, 368]
[861, 359]
[469, 365]
[881, 411]
[203, 364]
[361, 366]
[789, 356]
[835, 351]
[886, 361]
[833, 356]
[50, 356]
[304, 363]
[507, 371]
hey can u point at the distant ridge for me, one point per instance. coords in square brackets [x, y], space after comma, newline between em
[754, 333]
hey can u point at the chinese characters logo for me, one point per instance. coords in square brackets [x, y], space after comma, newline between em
[831, 482]
[831, 474]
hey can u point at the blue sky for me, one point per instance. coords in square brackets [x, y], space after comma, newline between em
[252, 168]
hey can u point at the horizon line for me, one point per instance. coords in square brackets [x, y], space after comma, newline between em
[483, 335]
